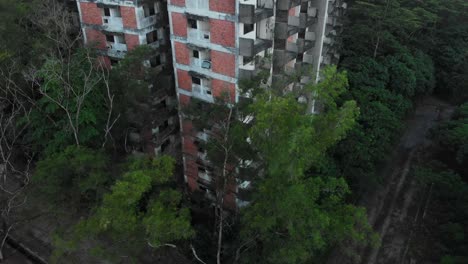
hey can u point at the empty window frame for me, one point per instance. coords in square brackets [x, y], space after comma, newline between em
[149, 10]
[155, 61]
[110, 38]
[107, 11]
[248, 28]
[165, 145]
[196, 80]
[152, 37]
[192, 23]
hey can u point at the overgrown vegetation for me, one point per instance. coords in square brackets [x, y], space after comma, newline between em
[444, 173]
[63, 131]
[396, 51]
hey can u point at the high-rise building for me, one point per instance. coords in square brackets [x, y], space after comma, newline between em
[216, 43]
[117, 27]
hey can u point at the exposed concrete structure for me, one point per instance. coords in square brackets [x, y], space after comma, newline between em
[117, 27]
[217, 43]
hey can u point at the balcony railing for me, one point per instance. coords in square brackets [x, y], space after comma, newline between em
[251, 47]
[199, 36]
[112, 23]
[250, 14]
[202, 92]
[119, 2]
[202, 66]
[149, 21]
[308, 58]
[302, 44]
[287, 4]
[197, 4]
[283, 30]
[118, 50]
[302, 21]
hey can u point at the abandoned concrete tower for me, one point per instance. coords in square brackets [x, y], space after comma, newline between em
[216, 43]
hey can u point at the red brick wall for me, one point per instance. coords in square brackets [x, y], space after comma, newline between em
[191, 170]
[96, 37]
[189, 146]
[222, 32]
[178, 2]
[132, 41]
[91, 14]
[184, 80]
[223, 63]
[187, 127]
[221, 88]
[128, 16]
[223, 6]
[184, 100]
[179, 24]
[104, 61]
[182, 53]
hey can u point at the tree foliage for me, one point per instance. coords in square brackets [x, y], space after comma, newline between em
[73, 177]
[297, 213]
[140, 211]
[72, 108]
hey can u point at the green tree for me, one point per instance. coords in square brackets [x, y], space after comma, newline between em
[142, 211]
[73, 107]
[73, 177]
[453, 135]
[297, 213]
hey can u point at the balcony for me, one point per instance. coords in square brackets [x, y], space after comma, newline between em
[201, 92]
[308, 58]
[250, 14]
[160, 136]
[300, 46]
[281, 58]
[287, 4]
[284, 30]
[117, 50]
[119, 2]
[202, 66]
[196, 36]
[247, 70]
[245, 74]
[112, 24]
[250, 47]
[197, 4]
[310, 36]
[302, 21]
[149, 21]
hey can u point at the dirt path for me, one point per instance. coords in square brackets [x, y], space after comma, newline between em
[394, 207]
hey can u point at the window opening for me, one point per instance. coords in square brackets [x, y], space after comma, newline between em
[106, 11]
[152, 37]
[196, 80]
[248, 28]
[110, 38]
[192, 23]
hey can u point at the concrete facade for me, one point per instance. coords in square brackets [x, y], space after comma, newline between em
[116, 27]
[217, 43]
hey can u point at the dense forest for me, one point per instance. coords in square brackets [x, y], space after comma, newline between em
[65, 163]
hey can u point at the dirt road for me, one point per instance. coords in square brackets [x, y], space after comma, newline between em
[395, 206]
